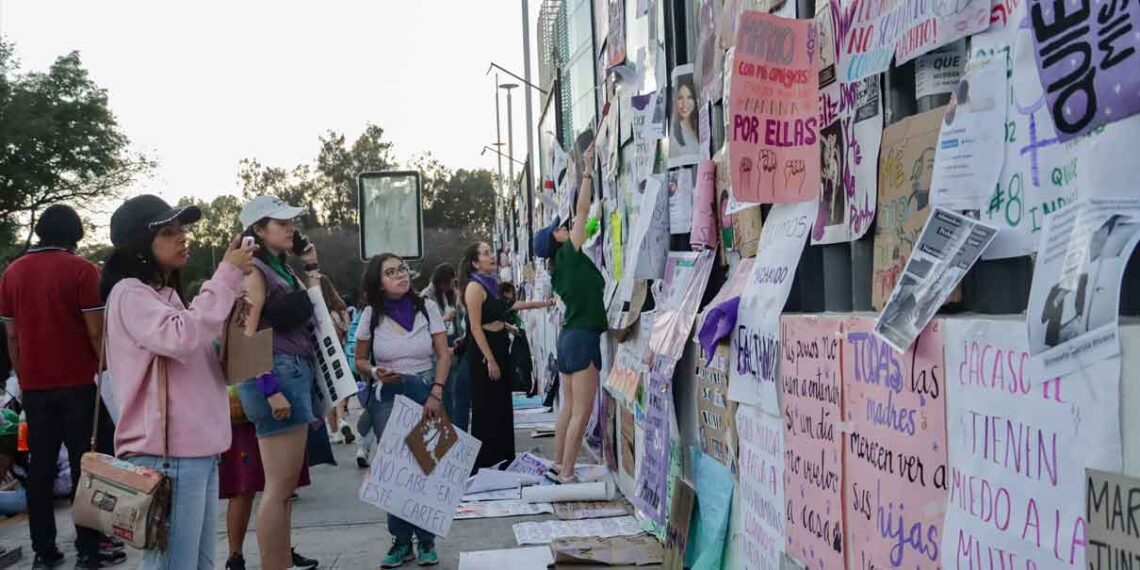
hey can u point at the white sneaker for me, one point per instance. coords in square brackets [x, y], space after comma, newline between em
[336, 438]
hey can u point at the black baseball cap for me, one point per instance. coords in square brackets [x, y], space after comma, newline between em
[142, 216]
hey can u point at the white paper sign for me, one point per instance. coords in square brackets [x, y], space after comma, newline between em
[1018, 448]
[971, 145]
[681, 184]
[761, 464]
[335, 381]
[499, 509]
[546, 531]
[948, 246]
[1073, 304]
[649, 244]
[396, 483]
[755, 342]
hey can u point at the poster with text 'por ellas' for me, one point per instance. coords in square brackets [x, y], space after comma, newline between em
[773, 102]
[906, 163]
[1087, 53]
[810, 374]
[895, 457]
[1019, 445]
[755, 342]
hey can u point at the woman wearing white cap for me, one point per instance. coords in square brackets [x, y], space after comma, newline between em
[279, 404]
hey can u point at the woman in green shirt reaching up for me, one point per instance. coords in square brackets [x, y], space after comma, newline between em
[580, 285]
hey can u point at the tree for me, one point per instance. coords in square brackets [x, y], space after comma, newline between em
[59, 141]
[338, 165]
[465, 201]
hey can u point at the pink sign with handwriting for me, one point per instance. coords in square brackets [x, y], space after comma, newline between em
[895, 458]
[773, 143]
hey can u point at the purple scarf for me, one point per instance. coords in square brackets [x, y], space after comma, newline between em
[489, 282]
[402, 311]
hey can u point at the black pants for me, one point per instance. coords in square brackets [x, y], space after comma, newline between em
[492, 412]
[55, 417]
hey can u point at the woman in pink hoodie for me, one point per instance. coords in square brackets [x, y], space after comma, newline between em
[149, 329]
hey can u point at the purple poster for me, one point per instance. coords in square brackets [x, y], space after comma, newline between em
[1087, 54]
[654, 469]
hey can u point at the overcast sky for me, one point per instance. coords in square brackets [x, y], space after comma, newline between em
[199, 85]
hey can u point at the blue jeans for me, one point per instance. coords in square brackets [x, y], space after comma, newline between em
[459, 393]
[416, 388]
[295, 378]
[193, 536]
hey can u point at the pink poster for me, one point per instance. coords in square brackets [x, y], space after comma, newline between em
[895, 458]
[810, 350]
[704, 209]
[774, 100]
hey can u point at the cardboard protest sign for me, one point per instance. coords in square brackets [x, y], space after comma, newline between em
[813, 467]
[716, 414]
[851, 129]
[761, 487]
[677, 535]
[971, 144]
[905, 167]
[773, 102]
[1019, 445]
[1088, 58]
[1113, 541]
[244, 357]
[395, 482]
[653, 470]
[949, 245]
[335, 381]
[746, 230]
[643, 550]
[872, 32]
[430, 440]
[590, 509]
[755, 344]
[895, 466]
[1075, 296]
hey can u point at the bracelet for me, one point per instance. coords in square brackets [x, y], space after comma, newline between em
[440, 384]
[268, 384]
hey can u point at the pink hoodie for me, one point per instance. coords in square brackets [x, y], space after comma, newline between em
[143, 323]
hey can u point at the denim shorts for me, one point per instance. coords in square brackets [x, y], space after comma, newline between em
[295, 376]
[577, 348]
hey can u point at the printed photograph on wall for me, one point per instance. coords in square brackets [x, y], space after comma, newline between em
[684, 136]
[833, 198]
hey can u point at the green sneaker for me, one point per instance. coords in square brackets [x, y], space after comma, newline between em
[427, 556]
[397, 556]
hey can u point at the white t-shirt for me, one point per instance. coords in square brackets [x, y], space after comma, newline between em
[398, 350]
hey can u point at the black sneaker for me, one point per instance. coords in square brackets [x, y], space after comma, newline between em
[361, 462]
[302, 563]
[236, 562]
[53, 559]
[102, 559]
[346, 431]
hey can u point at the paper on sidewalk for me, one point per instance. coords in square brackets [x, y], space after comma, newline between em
[498, 509]
[494, 480]
[546, 531]
[528, 557]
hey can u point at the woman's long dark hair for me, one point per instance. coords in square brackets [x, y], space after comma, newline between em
[374, 289]
[136, 261]
[685, 82]
[465, 267]
[444, 273]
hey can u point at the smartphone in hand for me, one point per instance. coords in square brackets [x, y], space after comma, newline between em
[300, 243]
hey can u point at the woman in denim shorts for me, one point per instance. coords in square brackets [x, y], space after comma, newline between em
[280, 404]
[402, 345]
[579, 284]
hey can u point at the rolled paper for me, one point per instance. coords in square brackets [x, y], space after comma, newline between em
[595, 491]
[704, 233]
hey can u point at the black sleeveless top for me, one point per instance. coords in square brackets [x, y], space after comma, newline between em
[494, 309]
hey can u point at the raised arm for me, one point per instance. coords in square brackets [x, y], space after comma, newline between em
[585, 196]
[528, 305]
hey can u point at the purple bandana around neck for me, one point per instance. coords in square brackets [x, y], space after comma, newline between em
[490, 283]
[402, 311]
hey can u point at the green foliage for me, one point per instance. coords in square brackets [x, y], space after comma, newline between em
[59, 141]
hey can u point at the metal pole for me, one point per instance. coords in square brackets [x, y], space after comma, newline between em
[530, 157]
[498, 145]
[510, 137]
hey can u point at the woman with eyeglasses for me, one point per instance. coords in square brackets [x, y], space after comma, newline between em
[399, 336]
[492, 414]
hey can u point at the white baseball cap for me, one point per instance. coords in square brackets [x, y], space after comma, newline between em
[270, 207]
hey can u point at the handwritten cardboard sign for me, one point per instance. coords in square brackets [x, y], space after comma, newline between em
[755, 343]
[430, 440]
[396, 483]
[677, 533]
[716, 414]
[773, 98]
[1087, 54]
[906, 164]
[1019, 445]
[895, 457]
[1113, 538]
[813, 467]
[761, 487]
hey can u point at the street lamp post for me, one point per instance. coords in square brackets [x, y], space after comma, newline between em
[510, 141]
